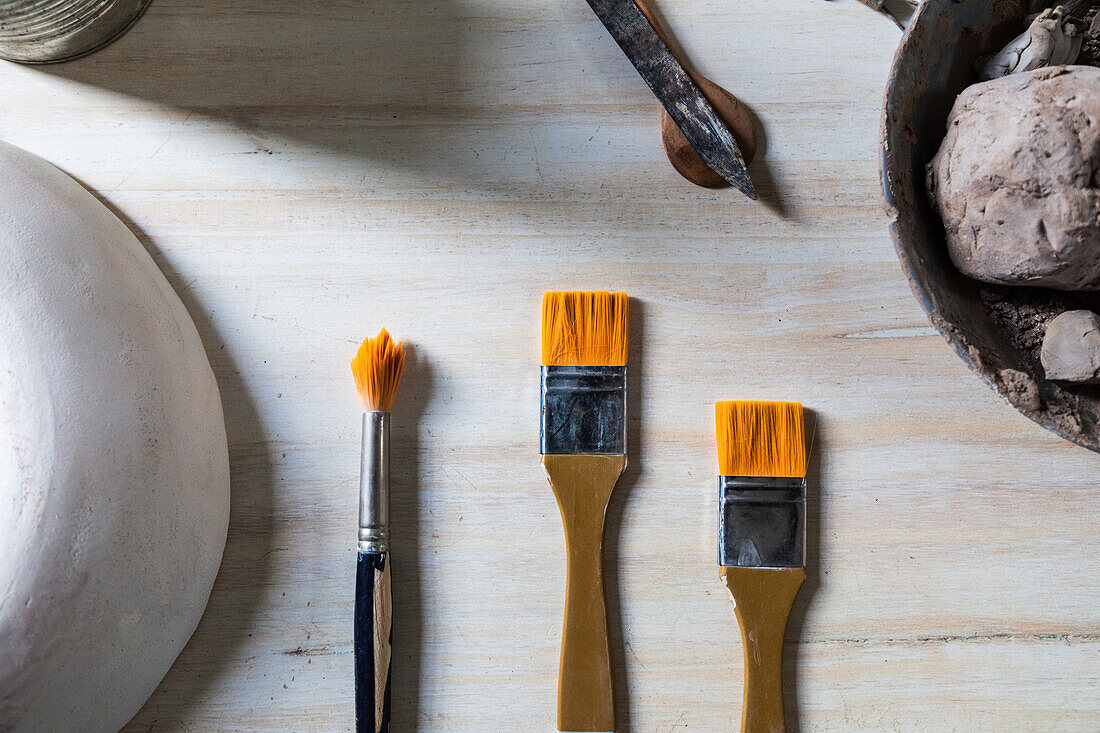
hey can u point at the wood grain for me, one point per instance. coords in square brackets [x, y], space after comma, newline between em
[762, 599]
[582, 486]
[307, 172]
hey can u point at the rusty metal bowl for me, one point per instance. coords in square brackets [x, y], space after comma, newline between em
[933, 64]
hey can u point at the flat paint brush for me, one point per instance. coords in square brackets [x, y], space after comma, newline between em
[761, 540]
[377, 371]
[583, 446]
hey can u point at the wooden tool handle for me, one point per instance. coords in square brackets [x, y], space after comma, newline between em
[763, 598]
[373, 643]
[582, 485]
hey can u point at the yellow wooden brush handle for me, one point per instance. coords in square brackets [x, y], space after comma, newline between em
[763, 598]
[582, 485]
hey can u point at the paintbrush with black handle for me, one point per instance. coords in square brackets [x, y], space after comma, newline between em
[377, 371]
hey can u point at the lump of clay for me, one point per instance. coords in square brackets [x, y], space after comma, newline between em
[1044, 43]
[114, 469]
[1071, 348]
[1016, 179]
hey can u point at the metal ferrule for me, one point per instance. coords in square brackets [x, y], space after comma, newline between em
[761, 522]
[374, 484]
[583, 410]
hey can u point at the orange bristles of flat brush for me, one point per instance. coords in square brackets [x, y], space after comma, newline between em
[760, 438]
[377, 371]
[761, 540]
[584, 328]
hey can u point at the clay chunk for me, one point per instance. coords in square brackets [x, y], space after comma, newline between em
[1071, 348]
[1017, 179]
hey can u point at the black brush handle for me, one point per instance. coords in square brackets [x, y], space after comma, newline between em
[373, 643]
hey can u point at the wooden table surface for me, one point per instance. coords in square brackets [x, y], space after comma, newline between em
[305, 172]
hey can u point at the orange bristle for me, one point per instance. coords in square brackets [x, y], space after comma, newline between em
[760, 438]
[377, 371]
[584, 328]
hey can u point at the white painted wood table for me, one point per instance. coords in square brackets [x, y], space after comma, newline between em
[305, 172]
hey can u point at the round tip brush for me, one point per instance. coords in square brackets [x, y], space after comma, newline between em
[377, 371]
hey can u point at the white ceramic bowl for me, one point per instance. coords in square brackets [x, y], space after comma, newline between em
[114, 470]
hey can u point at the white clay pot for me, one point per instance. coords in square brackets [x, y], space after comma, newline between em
[114, 470]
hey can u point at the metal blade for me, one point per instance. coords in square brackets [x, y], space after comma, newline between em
[685, 104]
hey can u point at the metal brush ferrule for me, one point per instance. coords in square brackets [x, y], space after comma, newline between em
[583, 410]
[374, 483]
[761, 522]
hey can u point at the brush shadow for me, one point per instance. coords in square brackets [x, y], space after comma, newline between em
[616, 512]
[800, 609]
[241, 584]
[405, 508]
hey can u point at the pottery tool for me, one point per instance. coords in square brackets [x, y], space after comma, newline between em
[899, 11]
[684, 158]
[377, 371]
[761, 540]
[583, 446]
[673, 86]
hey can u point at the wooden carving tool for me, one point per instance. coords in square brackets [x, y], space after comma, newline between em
[670, 83]
[377, 371]
[583, 446]
[761, 540]
[684, 158]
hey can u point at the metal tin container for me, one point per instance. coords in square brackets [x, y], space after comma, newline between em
[47, 31]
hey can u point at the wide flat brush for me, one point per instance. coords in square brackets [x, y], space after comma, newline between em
[761, 540]
[377, 371]
[583, 446]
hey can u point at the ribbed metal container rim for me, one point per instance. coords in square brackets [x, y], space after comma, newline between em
[27, 25]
